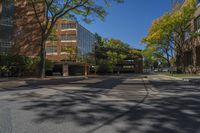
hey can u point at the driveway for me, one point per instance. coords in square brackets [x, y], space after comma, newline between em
[104, 104]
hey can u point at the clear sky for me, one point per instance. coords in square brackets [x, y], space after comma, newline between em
[130, 21]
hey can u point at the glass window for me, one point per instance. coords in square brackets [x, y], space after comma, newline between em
[51, 49]
[7, 11]
[68, 49]
[188, 58]
[68, 37]
[68, 26]
[197, 24]
[5, 47]
[198, 55]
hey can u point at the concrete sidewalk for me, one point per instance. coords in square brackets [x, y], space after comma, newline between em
[16, 82]
[192, 79]
[35, 78]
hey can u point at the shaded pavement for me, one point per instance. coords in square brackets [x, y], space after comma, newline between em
[125, 104]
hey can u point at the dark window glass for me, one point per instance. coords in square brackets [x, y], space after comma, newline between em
[68, 37]
[197, 24]
[7, 11]
[51, 49]
[198, 55]
[188, 58]
[6, 20]
[68, 26]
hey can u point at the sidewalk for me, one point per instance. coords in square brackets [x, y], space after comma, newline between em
[37, 79]
[192, 79]
[16, 82]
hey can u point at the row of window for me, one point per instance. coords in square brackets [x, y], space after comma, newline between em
[7, 8]
[6, 44]
[68, 49]
[5, 47]
[68, 37]
[52, 49]
[68, 26]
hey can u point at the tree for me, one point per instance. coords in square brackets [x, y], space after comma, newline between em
[71, 53]
[56, 9]
[167, 34]
[117, 52]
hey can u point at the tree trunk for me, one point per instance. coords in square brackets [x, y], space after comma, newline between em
[42, 60]
[180, 62]
[86, 71]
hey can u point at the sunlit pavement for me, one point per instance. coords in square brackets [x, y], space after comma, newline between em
[104, 104]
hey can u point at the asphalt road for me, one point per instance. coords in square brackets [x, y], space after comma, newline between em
[121, 104]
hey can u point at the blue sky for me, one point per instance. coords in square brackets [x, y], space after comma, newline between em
[130, 21]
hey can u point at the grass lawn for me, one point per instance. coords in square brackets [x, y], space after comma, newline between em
[179, 75]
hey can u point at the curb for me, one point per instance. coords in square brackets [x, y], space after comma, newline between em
[192, 80]
[189, 79]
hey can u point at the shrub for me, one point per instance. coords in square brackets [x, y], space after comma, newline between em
[17, 65]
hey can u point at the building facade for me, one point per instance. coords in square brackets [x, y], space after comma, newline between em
[19, 30]
[20, 33]
[71, 42]
[6, 25]
[192, 46]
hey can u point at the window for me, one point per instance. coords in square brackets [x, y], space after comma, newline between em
[197, 24]
[187, 35]
[6, 44]
[188, 58]
[68, 37]
[68, 26]
[68, 49]
[7, 11]
[5, 47]
[198, 55]
[51, 50]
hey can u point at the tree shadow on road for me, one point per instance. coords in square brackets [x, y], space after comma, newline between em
[104, 83]
[165, 113]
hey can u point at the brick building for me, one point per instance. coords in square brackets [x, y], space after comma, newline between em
[19, 30]
[20, 33]
[191, 47]
[71, 42]
[192, 50]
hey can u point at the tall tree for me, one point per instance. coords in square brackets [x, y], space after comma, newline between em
[56, 9]
[117, 51]
[167, 34]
